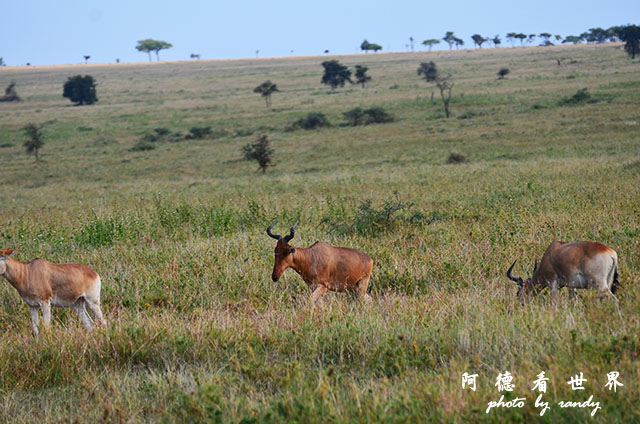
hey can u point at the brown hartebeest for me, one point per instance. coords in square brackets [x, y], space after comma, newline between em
[42, 284]
[577, 265]
[322, 266]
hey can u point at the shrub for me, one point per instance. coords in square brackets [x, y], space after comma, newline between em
[260, 151]
[312, 121]
[80, 90]
[142, 146]
[455, 158]
[197, 133]
[355, 116]
[582, 96]
[367, 219]
[374, 115]
[34, 139]
[503, 73]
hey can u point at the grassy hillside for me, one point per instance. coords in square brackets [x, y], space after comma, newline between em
[197, 331]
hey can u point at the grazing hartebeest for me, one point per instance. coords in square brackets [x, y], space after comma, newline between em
[42, 284]
[322, 266]
[577, 265]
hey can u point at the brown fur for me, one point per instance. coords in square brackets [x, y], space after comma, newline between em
[43, 284]
[324, 267]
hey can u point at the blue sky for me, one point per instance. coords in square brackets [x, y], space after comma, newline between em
[59, 32]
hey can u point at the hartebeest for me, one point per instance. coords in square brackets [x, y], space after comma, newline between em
[577, 265]
[322, 266]
[42, 284]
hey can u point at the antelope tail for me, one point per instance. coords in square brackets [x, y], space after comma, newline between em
[616, 283]
[370, 288]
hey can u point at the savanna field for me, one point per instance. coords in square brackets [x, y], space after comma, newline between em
[198, 332]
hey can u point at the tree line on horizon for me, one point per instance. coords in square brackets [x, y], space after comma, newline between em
[630, 34]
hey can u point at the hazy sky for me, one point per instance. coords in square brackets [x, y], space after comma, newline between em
[62, 31]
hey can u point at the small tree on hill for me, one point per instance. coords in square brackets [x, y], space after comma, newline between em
[361, 75]
[80, 90]
[503, 73]
[150, 45]
[335, 74]
[266, 89]
[10, 93]
[572, 39]
[431, 74]
[260, 151]
[478, 40]
[366, 46]
[430, 43]
[630, 34]
[34, 139]
[449, 38]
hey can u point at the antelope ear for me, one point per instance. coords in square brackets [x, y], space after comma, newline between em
[292, 250]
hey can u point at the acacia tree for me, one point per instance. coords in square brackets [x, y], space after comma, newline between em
[575, 39]
[630, 34]
[449, 38]
[366, 46]
[430, 43]
[496, 41]
[150, 45]
[335, 74]
[361, 75]
[511, 37]
[545, 36]
[80, 90]
[34, 139]
[266, 89]
[478, 40]
[431, 74]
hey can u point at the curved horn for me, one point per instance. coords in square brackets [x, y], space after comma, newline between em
[511, 277]
[270, 234]
[535, 266]
[291, 234]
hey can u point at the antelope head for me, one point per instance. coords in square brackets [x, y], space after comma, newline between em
[4, 254]
[283, 252]
[527, 287]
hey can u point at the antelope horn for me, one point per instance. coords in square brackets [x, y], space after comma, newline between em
[270, 234]
[511, 277]
[291, 234]
[535, 266]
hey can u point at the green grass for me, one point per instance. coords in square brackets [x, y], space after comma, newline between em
[198, 332]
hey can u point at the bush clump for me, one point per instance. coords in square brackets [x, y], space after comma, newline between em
[142, 146]
[312, 121]
[455, 158]
[197, 133]
[374, 115]
[582, 96]
[371, 220]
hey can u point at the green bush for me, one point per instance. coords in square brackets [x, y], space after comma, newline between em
[197, 133]
[374, 115]
[142, 146]
[312, 121]
[582, 96]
